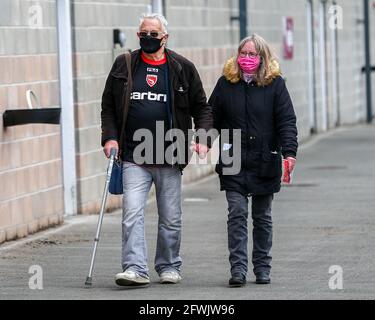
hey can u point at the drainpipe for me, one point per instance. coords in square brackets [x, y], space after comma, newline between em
[311, 67]
[242, 18]
[323, 63]
[368, 61]
[157, 6]
[67, 106]
[335, 71]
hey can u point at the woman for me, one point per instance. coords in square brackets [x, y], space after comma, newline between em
[252, 96]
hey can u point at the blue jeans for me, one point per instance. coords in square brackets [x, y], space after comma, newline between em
[137, 181]
[238, 234]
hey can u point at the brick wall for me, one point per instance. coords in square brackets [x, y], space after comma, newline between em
[265, 19]
[372, 36]
[93, 24]
[30, 156]
[201, 30]
[351, 60]
[93, 56]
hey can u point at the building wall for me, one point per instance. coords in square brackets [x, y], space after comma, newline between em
[202, 30]
[350, 57]
[265, 19]
[30, 157]
[93, 24]
[372, 37]
[351, 60]
[93, 43]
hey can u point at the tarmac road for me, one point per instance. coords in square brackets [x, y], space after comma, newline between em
[325, 218]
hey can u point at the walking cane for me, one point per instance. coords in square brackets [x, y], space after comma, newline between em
[101, 215]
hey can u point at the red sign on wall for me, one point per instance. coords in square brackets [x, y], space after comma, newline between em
[288, 35]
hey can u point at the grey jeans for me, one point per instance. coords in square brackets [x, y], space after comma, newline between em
[238, 234]
[137, 181]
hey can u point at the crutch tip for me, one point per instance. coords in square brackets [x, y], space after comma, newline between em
[88, 282]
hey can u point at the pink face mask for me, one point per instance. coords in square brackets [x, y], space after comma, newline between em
[249, 65]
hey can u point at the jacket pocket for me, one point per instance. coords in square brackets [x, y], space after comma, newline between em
[220, 166]
[230, 170]
[270, 166]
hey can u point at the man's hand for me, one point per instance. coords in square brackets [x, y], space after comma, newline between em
[108, 146]
[289, 164]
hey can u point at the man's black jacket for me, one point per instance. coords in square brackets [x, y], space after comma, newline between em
[188, 99]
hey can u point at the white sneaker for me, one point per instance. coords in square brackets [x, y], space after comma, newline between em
[131, 278]
[170, 277]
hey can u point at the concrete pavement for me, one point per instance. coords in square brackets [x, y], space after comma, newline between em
[325, 218]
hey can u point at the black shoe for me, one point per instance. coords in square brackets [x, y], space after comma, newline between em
[237, 281]
[262, 278]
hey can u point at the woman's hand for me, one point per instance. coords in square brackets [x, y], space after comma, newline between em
[289, 164]
[201, 149]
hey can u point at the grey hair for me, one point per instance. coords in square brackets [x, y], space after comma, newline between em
[156, 16]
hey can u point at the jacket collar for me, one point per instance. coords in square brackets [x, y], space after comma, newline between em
[174, 66]
[171, 59]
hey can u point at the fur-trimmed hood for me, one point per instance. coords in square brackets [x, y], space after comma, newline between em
[231, 74]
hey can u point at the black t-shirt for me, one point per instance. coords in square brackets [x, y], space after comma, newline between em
[148, 104]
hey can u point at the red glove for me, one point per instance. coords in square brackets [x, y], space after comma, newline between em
[288, 165]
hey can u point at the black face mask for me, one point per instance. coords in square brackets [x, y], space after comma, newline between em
[149, 44]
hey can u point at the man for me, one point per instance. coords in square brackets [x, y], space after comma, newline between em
[166, 90]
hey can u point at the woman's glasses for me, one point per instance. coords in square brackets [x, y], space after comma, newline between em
[243, 54]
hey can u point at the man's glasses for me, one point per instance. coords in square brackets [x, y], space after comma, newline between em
[153, 34]
[250, 54]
